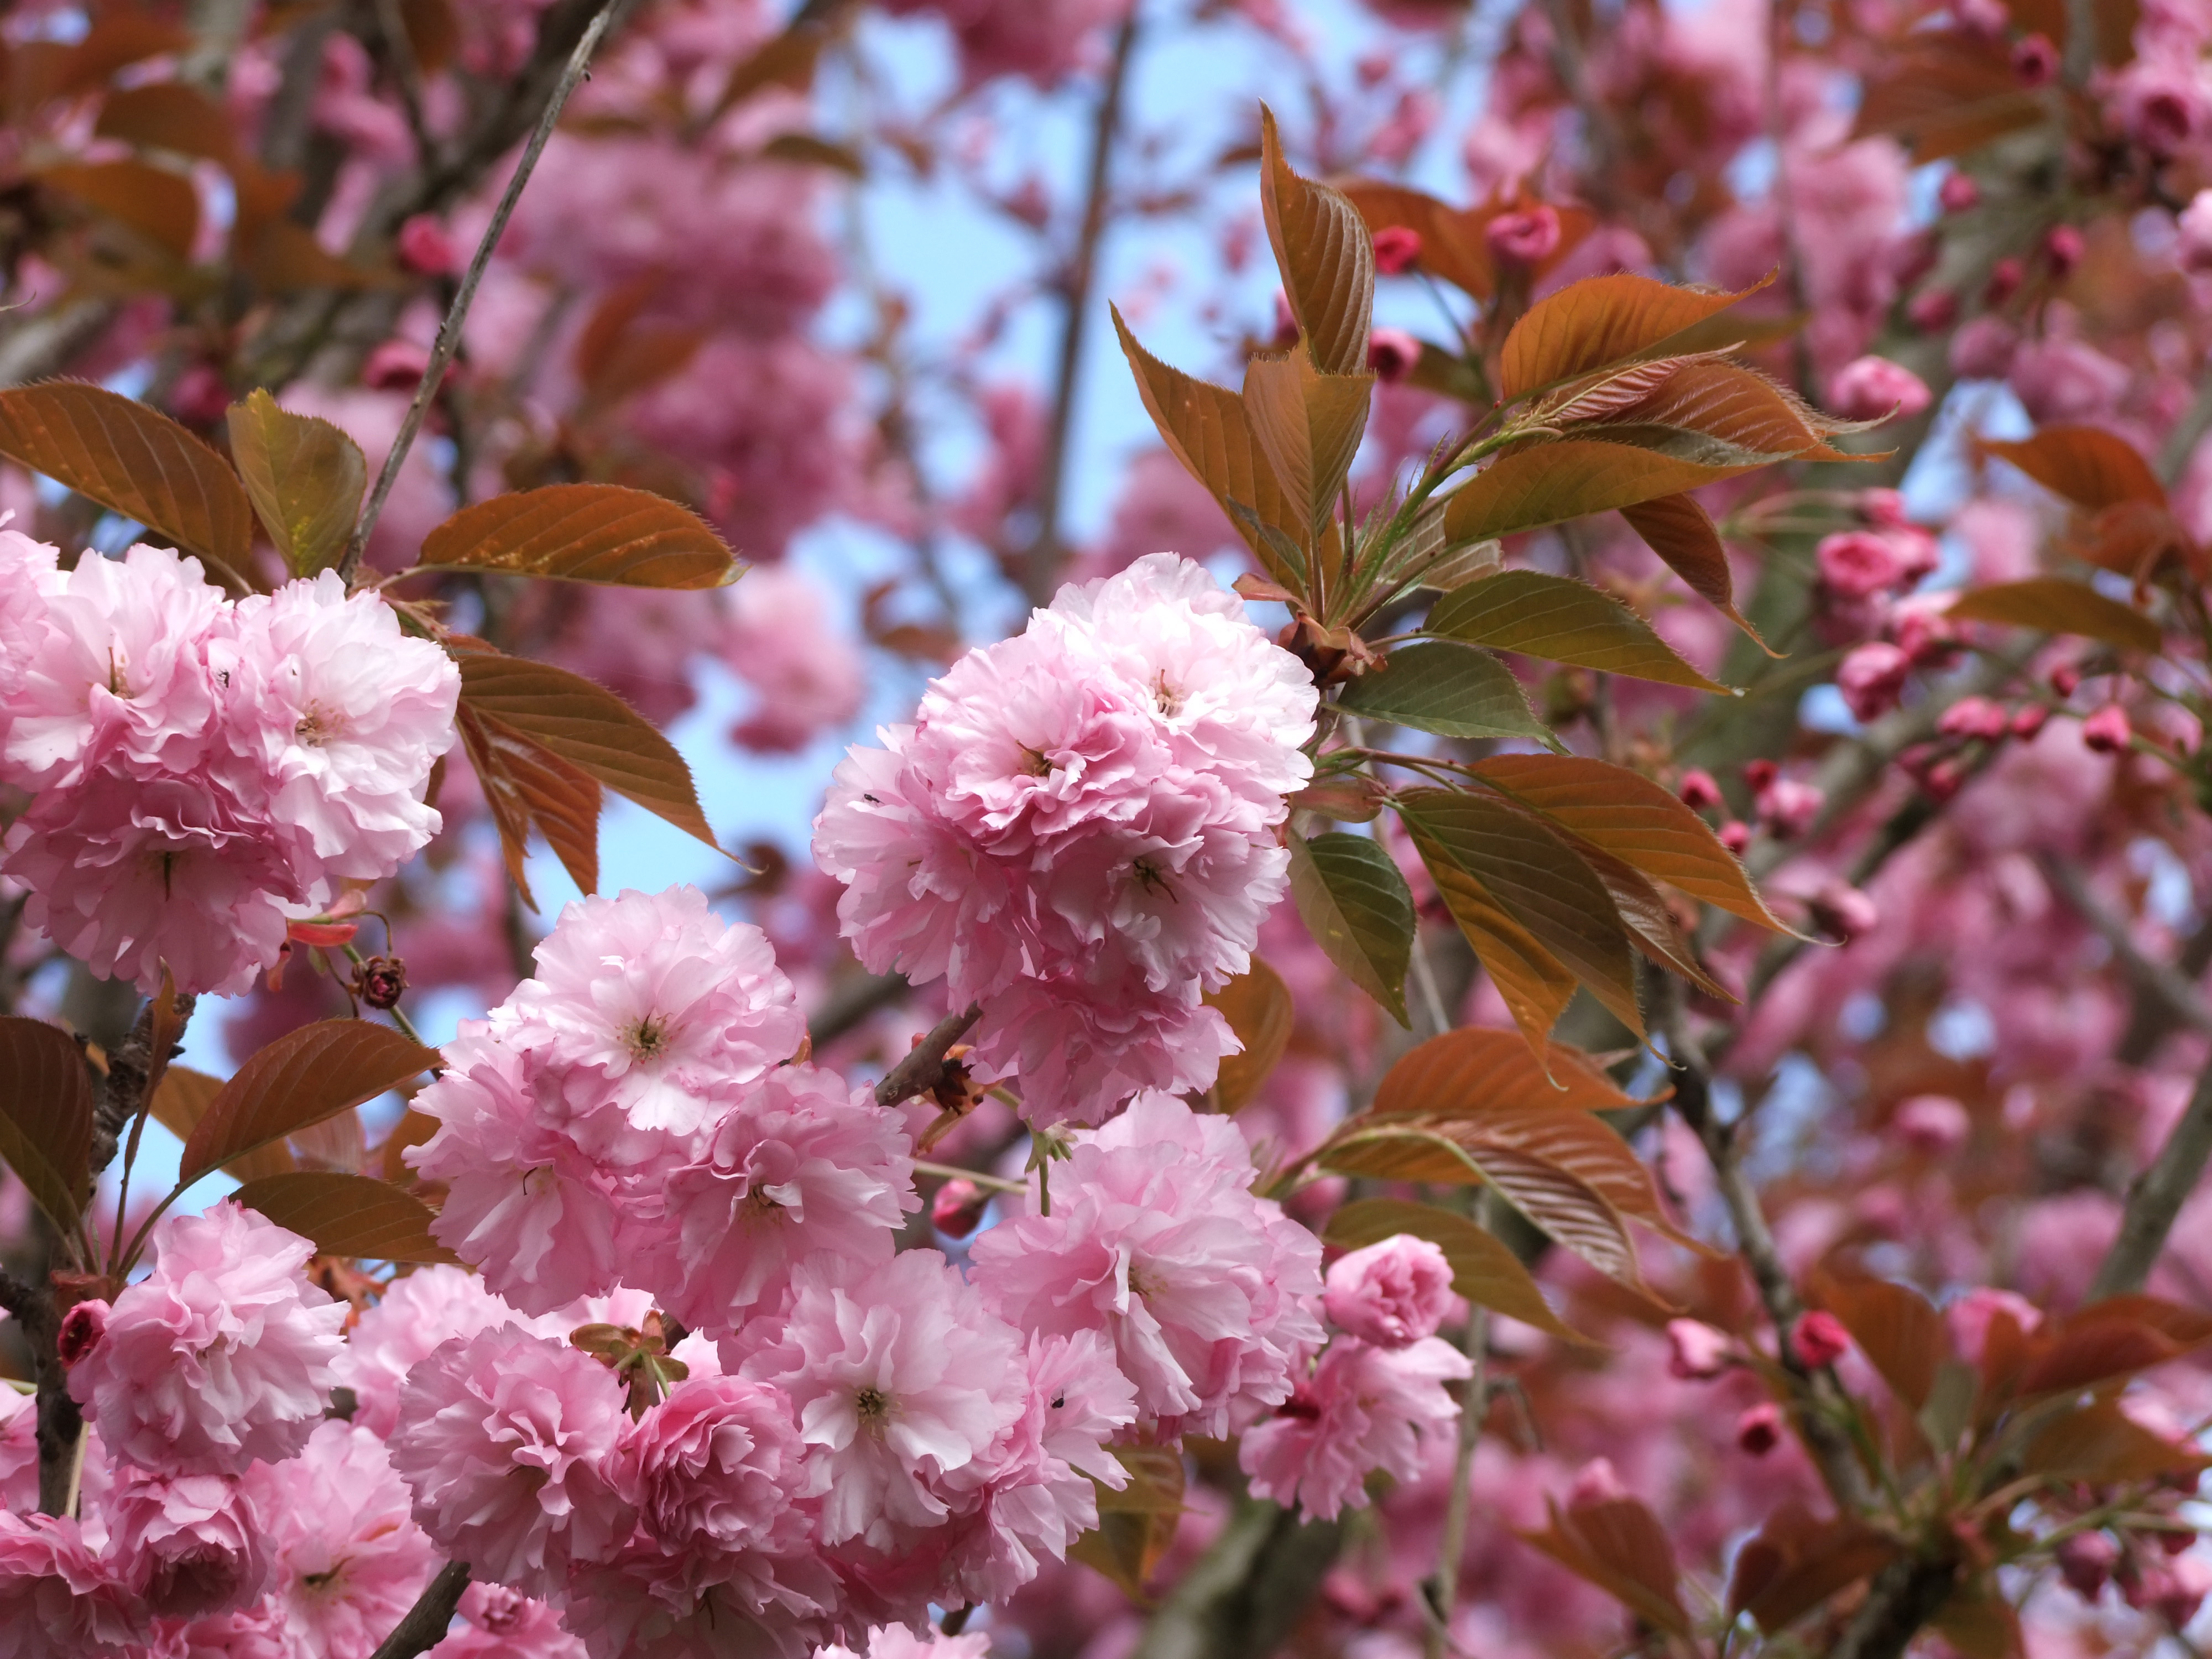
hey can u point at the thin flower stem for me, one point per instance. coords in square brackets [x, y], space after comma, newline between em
[954, 1172]
[449, 331]
[1473, 1408]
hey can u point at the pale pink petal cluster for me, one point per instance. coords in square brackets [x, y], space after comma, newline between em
[1363, 1408]
[1392, 1293]
[416, 1315]
[57, 1597]
[223, 1354]
[897, 1642]
[1209, 1294]
[199, 765]
[1077, 831]
[185, 1545]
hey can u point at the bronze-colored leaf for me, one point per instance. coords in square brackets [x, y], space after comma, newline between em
[1598, 322]
[1948, 92]
[1896, 1327]
[527, 788]
[1309, 425]
[1794, 1563]
[1562, 620]
[1473, 1067]
[1707, 402]
[1549, 483]
[182, 1099]
[589, 728]
[1452, 243]
[2092, 468]
[1653, 928]
[302, 1078]
[1325, 254]
[1484, 1270]
[1136, 1522]
[353, 1215]
[168, 115]
[1257, 1006]
[1535, 985]
[305, 476]
[1683, 535]
[2056, 606]
[2100, 1444]
[134, 461]
[585, 533]
[45, 1117]
[1619, 1545]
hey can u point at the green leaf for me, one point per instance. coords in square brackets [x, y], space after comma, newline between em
[304, 1077]
[1562, 620]
[1535, 874]
[354, 1215]
[1598, 322]
[584, 532]
[587, 726]
[1535, 986]
[1550, 482]
[2056, 606]
[1484, 1270]
[45, 1117]
[1452, 689]
[305, 476]
[1326, 256]
[1358, 909]
[134, 461]
[1257, 1006]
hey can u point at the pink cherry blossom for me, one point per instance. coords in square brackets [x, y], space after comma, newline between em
[1872, 678]
[1363, 1408]
[2108, 732]
[802, 1168]
[414, 1316]
[902, 1378]
[57, 1597]
[1875, 388]
[779, 640]
[897, 1642]
[186, 1545]
[1155, 1239]
[19, 1452]
[499, 1623]
[507, 1442]
[1857, 564]
[1697, 1353]
[223, 1354]
[1818, 1339]
[1391, 1293]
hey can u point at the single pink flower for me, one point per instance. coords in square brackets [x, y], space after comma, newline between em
[426, 247]
[1397, 250]
[1875, 388]
[58, 1598]
[1872, 678]
[1857, 564]
[1934, 1125]
[186, 1545]
[1391, 1293]
[1527, 238]
[1363, 1408]
[2108, 732]
[1697, 1353]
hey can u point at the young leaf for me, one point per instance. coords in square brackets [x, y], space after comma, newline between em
[132, 460]
[1619, 1545]
[181, 1099]
[1945, 95]
[1536, 988]
[1735, 410]
[1634, 819]
[530, 787]
[2091, 468]
[1653, 928]
[304, 1077]
[1534, 874]
[589, 728]
[1326, 256]
[1598, 322]
[1484, 1270]
[1473, 1065]
[584, 533]
[1896, 1327]
[1136, 1522]
[1548, 483]
[1358, 907]
[2057, 606]
[45, 1117]
[1205, 428]
[1406, 1150]
[1309, 425]
[304, 478]
[1452, 243]
[1794, 1563]
[1562, 620]
[159, 205]
[355, 1215]
[1682, 533]
[2101, 1445]
[1257, 1006]
[1453, 689]
[168, 115]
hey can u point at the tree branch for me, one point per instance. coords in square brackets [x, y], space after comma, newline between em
[924, 1068]
[449, 331]
[60, 1423]
[426, 1622]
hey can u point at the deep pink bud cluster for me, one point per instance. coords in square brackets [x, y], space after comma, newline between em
[1077, 831]
[202, 768]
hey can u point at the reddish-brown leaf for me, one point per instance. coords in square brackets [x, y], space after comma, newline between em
[168, 115]
[1794, 1563]
[182, 1099]
[1949, 92]
[2090, 467]
[1598, 322]
[2099, 1443]
[529, 788]
[1325, 254]
[160, 205]
[132, 460]
[1257, 1006]
[1562, 620]
[1896, 1327]
[1475, 1066]
[1682, 533]
[304, 1077]
[2056, 606]
[1619, 1545]
[1722, 412]
[354, 1215]
[1309, 425]
[45, 1116]
[584, 532]
[1535, 986]
[1452, 243]
[1136, 1522]
[1548, 483]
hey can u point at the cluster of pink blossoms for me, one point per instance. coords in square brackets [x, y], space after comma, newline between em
[202, 769]
[1077, 832]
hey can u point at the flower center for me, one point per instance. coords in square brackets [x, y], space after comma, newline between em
[315, 728]
[1169, 698]
[648, 1039]
[1035, 763]
[873, 1406]
[1152, 878]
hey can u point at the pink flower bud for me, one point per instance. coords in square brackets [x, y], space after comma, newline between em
[1820, 1339]
[2107, 731]
[395, 365]
[2086, 1562]
[2194, 245]
[425, 248]
[1857, 564]
[1758, 774]
[1523, 239]
[1595, 1483]
[1958, 192]
[2174, 1593]
[1842, 911]
[1697, 1353]
[82, 1326]
[1972, 1315]
[1932, 310]
[1943, 779]
[1392, 354]
[2065, 679]
[1875, 388]
[200, 395]
[1758, 1430]
[1984, 349]
[1872, 678]
[1392, 1294]
[1698, 791]
[2062, 250]
[1735, 835]
[2005, 278]
[1397, 250]
[2028, 719]
[1933, 1125]
[2035, 61]
[1286, 320]
[1884, 508]
[1923, 632]
[958, 1209]
[1787, 807]
[1975, 717]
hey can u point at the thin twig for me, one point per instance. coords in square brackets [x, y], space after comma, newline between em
[426, 1622]
[2155, 1198]
[1442, 1589]
[1041, 570]
[924, 1068]
[449, 331]
[2156, 980]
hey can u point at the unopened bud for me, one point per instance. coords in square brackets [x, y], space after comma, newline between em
[2108, 732]
[1397, 250]
[958, 1209]
[1758, 1430]
[381, 981]
[82, 1326]
[1820, 1339]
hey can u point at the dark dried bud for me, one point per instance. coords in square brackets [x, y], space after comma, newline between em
[381, 981]
[82, 1326]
